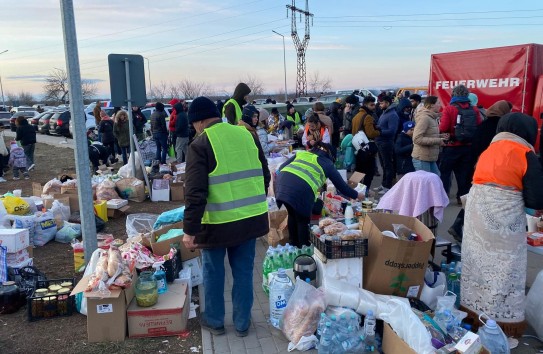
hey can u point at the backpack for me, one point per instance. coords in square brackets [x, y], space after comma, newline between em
[466, 124]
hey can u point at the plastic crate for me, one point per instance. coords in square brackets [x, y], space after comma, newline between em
[341, 248]
[49, 306]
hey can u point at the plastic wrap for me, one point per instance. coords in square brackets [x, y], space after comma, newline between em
[534, 303]
[169, 217]
[140, 223]
[52, 187]
[106, 191]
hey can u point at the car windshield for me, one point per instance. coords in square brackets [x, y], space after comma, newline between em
[375, 92]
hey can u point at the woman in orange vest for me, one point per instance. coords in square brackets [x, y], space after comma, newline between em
[315, 131]
[508, 177]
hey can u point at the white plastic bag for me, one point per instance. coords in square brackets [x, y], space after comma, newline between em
[140, 223]
[126, 170]
[60, 212]
[305, 343]
[534, 303]
[408, 326]
[302, 314]
[81, 301]
[23, 222]
[437, 288]
[46, 228]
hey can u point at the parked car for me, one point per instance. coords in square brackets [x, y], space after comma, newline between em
[26, 114]
[22, 109]
[5, 118]
[59, 124]
[148, 111]
[43, 122]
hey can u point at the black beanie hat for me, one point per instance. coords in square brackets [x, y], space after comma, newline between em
[202, 108]
[159, 107]
[352, 99]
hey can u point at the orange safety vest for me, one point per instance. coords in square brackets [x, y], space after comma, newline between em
[503, 163]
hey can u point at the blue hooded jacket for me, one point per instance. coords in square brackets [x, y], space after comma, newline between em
[388, 125]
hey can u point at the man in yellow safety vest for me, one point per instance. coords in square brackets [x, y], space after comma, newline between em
[226, 183]
[233, 108]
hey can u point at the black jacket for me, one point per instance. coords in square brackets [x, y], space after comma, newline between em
[181, 121]
[158, 122]
[240, 92]
[106, 130]
[139, 120]
[26, 133]
[403, 150]
[200, 163]
[294, 191]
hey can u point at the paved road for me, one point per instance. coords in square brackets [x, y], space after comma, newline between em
[48, 139]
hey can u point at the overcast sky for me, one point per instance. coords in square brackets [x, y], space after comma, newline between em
[355, 43]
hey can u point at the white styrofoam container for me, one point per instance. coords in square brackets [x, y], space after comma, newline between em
[14, 239]
[349, 270]
[161, 191]
[17, 257]
[196, 270]
[116, 203]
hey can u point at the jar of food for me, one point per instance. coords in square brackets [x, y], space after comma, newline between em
[63, 304]
[9, 298]
[146, 290]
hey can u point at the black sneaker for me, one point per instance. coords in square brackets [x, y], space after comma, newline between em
[213, 330]
[242, 333]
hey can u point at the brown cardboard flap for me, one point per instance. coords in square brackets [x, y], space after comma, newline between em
[162, 248]
[74, 200]
[355, 178]
[37, 189]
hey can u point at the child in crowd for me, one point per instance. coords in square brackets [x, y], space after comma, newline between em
[17, 160]
[404, 148]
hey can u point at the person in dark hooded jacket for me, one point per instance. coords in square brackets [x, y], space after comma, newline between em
[299, 196]
[404, 148]
[404, 113]
[181, 131]
[337, 120]
[139, 120]
[487, 130]
[232, 108]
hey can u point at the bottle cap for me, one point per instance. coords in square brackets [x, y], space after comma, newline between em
[491, 324]
[370, 313]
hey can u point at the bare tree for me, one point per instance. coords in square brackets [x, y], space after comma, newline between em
[192, 89]
[318, 84]
[256, 85]
[57, 90]
[158, 92]
[175, 90]
[21, 99]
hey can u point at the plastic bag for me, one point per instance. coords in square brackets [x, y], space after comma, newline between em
[435, 285]
[80, 300]
[4, 223]
[169, 217]
[46, 228]
[132, 189]
[23, 222]
[60, 212]
[68, 233]
[302, 314]
[140, 224]
[3, 262]
[106, 191]
[403, 232]
[52, 187]
[305, 343]
[16, 205]
[408, 326]
[126, 170]
[534, 303]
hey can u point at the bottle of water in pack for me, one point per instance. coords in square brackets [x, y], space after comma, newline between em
[333, 322]
[267, 268]
[342, 328]
[369, 332]
[281, 289]
[445, 320]
[354, 322]
[325, 344]
[279, 261]
[355, 345]
[322, 324]
[492, 336]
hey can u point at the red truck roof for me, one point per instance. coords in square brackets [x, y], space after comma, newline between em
[504, 73]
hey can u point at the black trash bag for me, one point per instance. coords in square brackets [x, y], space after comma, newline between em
[26, 278]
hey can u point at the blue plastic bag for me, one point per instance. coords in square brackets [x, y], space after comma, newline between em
[169, 217]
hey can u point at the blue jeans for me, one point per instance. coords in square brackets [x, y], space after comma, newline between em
[125, 150]
[161, 140]
[241, 259]
[428, 166]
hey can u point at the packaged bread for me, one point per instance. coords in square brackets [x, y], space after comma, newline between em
[325, 222]
[335, 228]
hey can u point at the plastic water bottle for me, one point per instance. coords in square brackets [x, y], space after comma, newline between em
[160, 277]
[267, 268]
[281, 289]
[322, 323]
[444, 319]
[325, 344]
[357, 345]
[353, 322]
[279, 261]
[369, 332]
[349, 214]
[444, 267]
[333, 322]
[493, 338]
[342, 328]
[453, 284]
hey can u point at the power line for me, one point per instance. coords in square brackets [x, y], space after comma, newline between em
[432, 14]
[437, 20]
[438, 26]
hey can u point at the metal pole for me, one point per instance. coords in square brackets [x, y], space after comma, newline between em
[130, 123]
[81, 152]
[2, 87]
[284, 63]
[149, 72]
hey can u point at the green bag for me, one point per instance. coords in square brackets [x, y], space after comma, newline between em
[171, 151]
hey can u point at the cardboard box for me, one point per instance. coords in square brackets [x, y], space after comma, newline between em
[16, 258]
[14, 240]
[162, 248]
[106, 315]
[393, 266]
[161, 190]
[470, 343]
[278, 234]
[48, 202]
[116, 203]
[355, 178]
[37, 189]
[168, 317]
[177, 192]
[117, 213]
[68, 189]
[196, 271]
[73, 200]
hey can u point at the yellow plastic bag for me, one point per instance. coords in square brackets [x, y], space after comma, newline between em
[100, 209]
[16, 205]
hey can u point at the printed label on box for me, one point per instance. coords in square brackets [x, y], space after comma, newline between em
[413, 291]
[104, 308]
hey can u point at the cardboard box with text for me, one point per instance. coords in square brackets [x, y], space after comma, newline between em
[163, 247]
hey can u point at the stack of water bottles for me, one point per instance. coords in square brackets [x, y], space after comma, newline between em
[453, 272]
[344, 335]
[280, 257]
